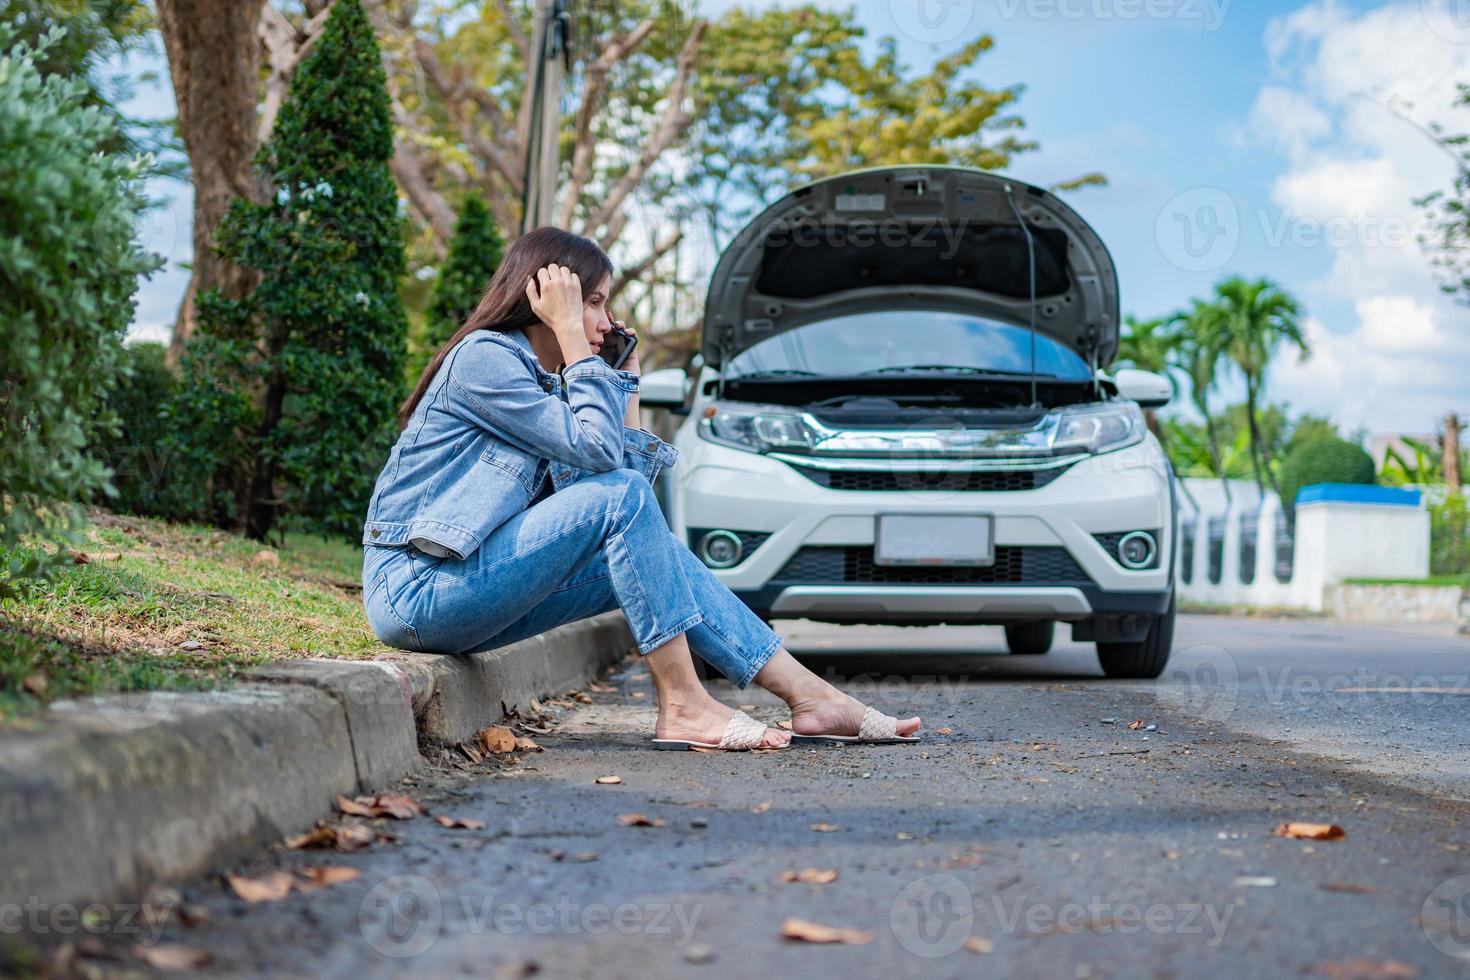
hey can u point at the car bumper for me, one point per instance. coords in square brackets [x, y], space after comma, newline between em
[814, 555]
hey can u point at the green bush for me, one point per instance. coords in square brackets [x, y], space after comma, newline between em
[1449, 536]
[145, 455]
[288, 399]
[1326, 459]
[70, 268]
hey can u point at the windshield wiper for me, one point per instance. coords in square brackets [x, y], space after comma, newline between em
[953, 369]
[774, 373]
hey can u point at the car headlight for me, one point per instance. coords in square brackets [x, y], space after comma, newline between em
[1097, 428]
[758, 427]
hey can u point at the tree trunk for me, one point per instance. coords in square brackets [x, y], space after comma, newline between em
[214, 61]
[1255, 434]
[1219, 465]
[1452, 474]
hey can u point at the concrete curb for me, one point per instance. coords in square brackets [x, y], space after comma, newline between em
[112, 794]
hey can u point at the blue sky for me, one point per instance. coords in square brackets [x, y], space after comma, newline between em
[1238, 137]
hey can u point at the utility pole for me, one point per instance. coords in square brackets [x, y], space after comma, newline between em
[540, 118]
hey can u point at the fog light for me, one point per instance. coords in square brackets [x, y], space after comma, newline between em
[720, 549]
[1137, 549]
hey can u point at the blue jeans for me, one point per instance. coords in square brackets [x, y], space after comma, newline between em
[597, 544]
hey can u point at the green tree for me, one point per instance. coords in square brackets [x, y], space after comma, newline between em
[1198, 356]
[1255, 318]
[68, 208]
[307, 369]
[474, 255]
[685, 116]
[1149, 345]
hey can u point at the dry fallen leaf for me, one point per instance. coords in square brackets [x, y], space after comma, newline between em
[324, 877]
[171, 956]
[266, 557]
[524, 744]
[813, 932]
[269, 887]
[1136, 725]
[468, 823]
[351, 838]
[977, 944]
[394, 805]
[946, 730]
[497, 739]
[81, 558]
[825, 828]
[608, 780]
[35, 683]
[1311, 831]
[1362, 968]
[639, 820]
[809, 876]
[761, 807]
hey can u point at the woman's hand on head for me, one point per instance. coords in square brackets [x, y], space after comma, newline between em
[555, 293]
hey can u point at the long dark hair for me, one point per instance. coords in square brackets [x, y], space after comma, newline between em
[505, 306]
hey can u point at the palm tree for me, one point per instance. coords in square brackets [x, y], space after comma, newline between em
[1197, 355]
[1256, 317]
[1149, 346]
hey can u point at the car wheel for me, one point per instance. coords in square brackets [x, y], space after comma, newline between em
[1031, 637]
[1144, 658]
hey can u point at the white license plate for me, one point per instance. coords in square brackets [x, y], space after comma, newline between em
[932, 539]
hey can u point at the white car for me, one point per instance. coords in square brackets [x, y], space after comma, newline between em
[902, 416]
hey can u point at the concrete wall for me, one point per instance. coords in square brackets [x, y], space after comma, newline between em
[1396, 603]
[1342, 532]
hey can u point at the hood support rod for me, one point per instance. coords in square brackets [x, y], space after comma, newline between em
[1031, 288]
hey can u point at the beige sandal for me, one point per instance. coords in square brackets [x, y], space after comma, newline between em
[742, 734]
[876, 729]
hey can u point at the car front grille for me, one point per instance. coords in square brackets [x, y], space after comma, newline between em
[1030, 565]
[965, 481]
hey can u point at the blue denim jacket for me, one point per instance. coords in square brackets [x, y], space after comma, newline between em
[490, 425]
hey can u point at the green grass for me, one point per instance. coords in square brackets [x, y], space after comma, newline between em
[116, 621]
[1463, 581]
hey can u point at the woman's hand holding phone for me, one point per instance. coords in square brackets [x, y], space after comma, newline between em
[631, 362]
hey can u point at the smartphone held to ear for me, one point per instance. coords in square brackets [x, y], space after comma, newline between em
[616, 347]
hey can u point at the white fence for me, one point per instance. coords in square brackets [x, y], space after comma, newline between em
[1239, 551]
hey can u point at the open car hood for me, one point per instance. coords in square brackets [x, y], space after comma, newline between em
[925, 237]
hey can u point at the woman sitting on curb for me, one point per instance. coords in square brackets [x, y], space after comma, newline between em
[519, 497]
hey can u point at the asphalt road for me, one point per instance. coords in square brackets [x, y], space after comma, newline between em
[1032, 821]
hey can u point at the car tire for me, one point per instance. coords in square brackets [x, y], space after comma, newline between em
[1030, 638]
[1143, 659]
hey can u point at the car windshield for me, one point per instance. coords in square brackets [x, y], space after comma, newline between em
[899, 341]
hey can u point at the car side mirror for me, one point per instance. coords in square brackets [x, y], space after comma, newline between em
[665, 388]
[1150, 390]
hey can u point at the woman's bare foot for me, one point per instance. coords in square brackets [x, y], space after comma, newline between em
[686, 712]
[817, 708]
[837, 714]
[705, 722]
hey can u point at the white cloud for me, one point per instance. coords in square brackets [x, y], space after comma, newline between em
[1347, 110]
